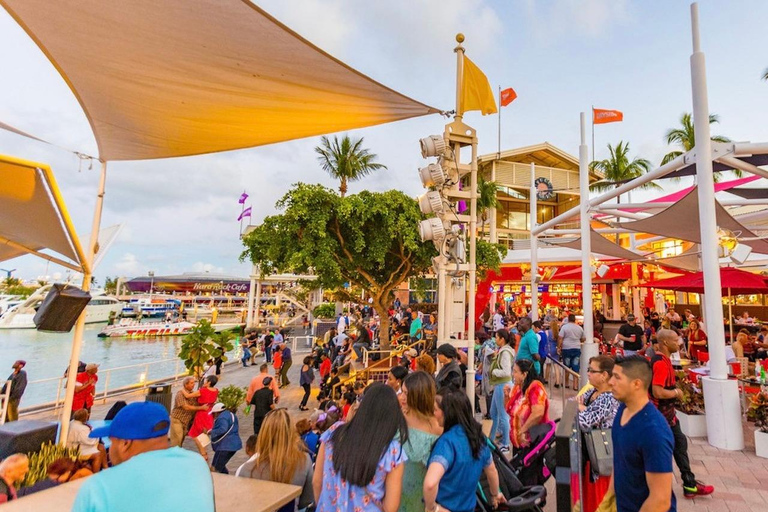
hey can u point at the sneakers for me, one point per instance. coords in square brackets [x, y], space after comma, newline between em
[699, 490]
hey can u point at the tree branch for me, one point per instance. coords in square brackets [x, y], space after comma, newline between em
[349, 256]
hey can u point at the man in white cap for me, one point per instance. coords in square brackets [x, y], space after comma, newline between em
[146, 475]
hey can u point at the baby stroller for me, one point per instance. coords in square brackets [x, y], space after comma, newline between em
[534, 464]
[519, 498]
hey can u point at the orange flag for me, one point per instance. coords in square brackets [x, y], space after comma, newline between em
[508, 96]
[476, 92]
[600, 116]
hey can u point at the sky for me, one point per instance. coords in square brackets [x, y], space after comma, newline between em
[561, 57]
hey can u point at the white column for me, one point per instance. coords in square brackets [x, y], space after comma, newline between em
[604, 297]
[590, 348]
[534, 249]
[616, 301]
[721, 396]
[472, 278]
[492, 216]
[257, 312]
[442, 316]
[251, 293]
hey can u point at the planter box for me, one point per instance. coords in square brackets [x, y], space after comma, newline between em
[761, 444]
[693, 425]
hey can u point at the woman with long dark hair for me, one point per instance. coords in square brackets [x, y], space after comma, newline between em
[360, 463]
[527, 403]
[499, 375]
[458, 459]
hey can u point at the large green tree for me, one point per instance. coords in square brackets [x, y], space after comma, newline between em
[618, 168]
[370, 240]
[346, 160]
[685, 138]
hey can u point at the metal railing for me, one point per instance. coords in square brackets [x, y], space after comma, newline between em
[142, 381]
[560, 372]
[4, 399]
[381, 366]
[297, 348]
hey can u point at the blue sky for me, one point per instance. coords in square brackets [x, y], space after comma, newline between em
[561, 56]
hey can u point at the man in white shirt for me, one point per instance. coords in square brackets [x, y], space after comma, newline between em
[90, 449]
[498, 321]
[341, 323]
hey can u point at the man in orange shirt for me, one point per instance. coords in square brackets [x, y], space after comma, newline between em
[258, 382]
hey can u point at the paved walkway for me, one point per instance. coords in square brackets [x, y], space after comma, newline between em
[740, 477]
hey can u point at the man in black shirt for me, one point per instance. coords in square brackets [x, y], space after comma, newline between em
[632, 335]
[262, 401]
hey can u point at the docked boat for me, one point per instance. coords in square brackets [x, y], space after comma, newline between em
[128, 328]
[149, 307]
[21, 316]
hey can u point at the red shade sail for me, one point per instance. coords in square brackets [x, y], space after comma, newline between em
[732, 280]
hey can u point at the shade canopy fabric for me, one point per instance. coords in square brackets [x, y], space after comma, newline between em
[681, 221]
[602, 245]
[187, 77]
[32, 215]
[733, 280]
[750, 193]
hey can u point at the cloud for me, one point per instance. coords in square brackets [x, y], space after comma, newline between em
[550, 21]
[129, 265]
[199, 266]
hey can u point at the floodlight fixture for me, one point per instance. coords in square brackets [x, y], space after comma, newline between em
[431, 202]
[432, 229]
[433, 175]
[434, 145]
[740, 254]
[602, 270]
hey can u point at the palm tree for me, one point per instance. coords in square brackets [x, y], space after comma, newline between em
[346, 160]
[618, 169]
[685, 136]
[486, 199]
[765, 74]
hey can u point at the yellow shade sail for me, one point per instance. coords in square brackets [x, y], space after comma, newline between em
[33, 216]
[174, 78]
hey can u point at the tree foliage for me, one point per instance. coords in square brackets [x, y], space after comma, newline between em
[110, 285]
[370, 240]
[197, 347]
[685, 138]
[618, 168]
[346, 160]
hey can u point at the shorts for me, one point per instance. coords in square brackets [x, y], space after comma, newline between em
[552, 352]
[571, 357]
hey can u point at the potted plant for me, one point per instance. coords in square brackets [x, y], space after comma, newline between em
[758, 413]
[690, 408]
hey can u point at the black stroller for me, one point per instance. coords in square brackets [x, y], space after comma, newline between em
[519, 498]
[536, 463]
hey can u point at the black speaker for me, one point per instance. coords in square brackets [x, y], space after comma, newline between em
[60, 308]
[26, 436]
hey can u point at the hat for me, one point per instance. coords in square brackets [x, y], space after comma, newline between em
[266, 381]
[91, 366]
[20, 363]
[448, 350]
[139, 420]
[217, 407]
[630, 317]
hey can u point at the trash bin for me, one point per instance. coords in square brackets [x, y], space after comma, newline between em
[160, 394]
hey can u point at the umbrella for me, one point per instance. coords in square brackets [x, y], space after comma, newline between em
[732, 280]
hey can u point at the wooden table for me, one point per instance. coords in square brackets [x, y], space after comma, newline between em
[232, 495]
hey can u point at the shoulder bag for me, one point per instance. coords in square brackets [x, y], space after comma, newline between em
[600, 450]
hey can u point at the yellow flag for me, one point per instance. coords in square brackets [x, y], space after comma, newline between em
[476, 92]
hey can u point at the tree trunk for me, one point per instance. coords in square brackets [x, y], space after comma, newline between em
[343, 187]
[381, 307]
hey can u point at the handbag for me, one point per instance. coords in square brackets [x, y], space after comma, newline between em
[203, 439]
[600, 450]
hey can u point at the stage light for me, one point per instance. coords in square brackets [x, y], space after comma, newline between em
[431, 202]
[434, 145]
[433, 175]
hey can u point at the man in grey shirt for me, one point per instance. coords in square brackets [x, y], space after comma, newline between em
[569, 342]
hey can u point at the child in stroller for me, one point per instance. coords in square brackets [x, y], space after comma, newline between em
[534, 464]
[519, 497]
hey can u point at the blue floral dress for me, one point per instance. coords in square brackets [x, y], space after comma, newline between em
[338, 495]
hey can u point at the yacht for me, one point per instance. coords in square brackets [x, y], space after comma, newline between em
[21, 316]
[8, 301]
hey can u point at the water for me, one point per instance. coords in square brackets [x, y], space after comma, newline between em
[47, 356]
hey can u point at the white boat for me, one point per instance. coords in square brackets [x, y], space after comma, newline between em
[127, 328]
[21, 316]
[150, 307]
[8, 301]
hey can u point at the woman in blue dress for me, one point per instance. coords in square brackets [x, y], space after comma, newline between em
[360, 464]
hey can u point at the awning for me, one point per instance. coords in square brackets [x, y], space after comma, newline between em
[602, 246]
[171, 78]
[750, 193]
[33, 216]
[732, 280]
[681, 221]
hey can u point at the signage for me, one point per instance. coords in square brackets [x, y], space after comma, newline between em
[544, 189]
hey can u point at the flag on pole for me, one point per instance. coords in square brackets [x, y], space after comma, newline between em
[246, 213]
[242, 199]
[476, 92]
[600, 116]
[508, 96]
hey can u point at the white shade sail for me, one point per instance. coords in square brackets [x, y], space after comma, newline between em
[171, 78]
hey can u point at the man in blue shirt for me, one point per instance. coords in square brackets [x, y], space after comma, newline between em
[642, 442]
[529, 343]
[147, 475]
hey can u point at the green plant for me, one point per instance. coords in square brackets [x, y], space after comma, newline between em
[324, 310]
[692, 401]
[758, 411]
[40, 460]
[197, 347]
[232, 397]
[222, 343]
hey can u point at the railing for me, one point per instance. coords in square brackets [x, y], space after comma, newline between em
[4, 398]
[560, 372]
[381, 366]
[307, 347]
[142, 381]
[398, 341]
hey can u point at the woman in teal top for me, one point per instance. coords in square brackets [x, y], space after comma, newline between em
[417, 399]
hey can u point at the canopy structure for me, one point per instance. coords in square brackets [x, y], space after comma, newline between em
[33, 216]
[187, 77]
[732, 280]
[602, 245]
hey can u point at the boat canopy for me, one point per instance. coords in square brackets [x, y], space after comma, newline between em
[181, 77]
[33, 216]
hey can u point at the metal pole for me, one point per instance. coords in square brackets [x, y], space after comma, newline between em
[721, 396]
[257, 313]
[472, 278]
[730, 316]
[492, 214]
[77, 341]
[589, 348]
[441, 301]
[251, 292]
[534, 249]
[593, 133]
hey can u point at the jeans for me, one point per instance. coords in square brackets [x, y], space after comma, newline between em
[571, 358]
[220, 460]
[680, 453]
[268, 353]
[307, 391]
[358, 348]
[284, 372]
[246, 357]
[628, 353]
[499, 415]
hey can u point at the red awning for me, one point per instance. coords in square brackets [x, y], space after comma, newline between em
[732, 281]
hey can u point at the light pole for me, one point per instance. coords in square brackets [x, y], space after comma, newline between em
[151, 275]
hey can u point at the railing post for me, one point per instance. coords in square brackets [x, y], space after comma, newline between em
[365, 357]
[58, 396]
[106, 385]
